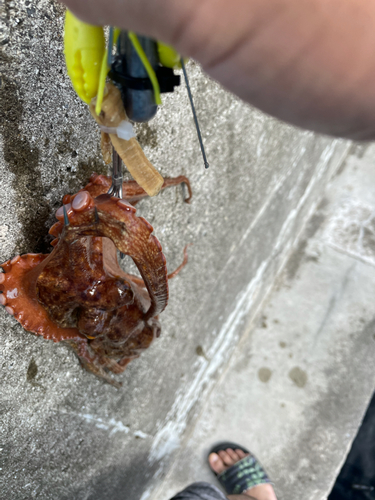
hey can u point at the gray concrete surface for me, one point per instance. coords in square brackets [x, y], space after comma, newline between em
[64, 433]
[299, 381]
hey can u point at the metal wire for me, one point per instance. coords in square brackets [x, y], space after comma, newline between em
[206, 164]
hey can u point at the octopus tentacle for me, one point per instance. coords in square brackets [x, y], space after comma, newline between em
[97, 365]
[131, 191]
[171, 275]
[18, 287]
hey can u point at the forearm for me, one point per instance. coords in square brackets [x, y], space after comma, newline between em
[309, 62]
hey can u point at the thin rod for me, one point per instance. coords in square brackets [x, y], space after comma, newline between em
[110, 45]
[206, 164]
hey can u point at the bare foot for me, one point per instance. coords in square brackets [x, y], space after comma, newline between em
[221, 461]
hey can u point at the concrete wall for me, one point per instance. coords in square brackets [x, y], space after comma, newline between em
[64, 433]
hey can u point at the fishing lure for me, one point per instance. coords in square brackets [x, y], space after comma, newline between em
[141, 68]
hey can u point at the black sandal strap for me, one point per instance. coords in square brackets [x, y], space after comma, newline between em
[243, 475]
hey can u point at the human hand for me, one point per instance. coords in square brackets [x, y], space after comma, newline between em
[308, 62]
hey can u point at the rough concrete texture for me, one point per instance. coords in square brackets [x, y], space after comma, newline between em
[299, 381]
[64, 433]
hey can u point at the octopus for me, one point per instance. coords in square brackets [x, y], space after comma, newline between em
[79, 294]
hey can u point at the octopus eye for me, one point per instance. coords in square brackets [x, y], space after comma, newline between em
[125, 292]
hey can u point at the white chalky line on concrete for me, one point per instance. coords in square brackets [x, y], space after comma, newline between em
[146, 494]
[114, 425]
[167, 439]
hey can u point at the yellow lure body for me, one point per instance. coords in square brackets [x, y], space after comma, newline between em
[84, 48]
[168, 56]
[86, 59]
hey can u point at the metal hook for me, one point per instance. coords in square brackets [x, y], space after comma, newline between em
[96, 215]
[66, 218]
[116, 187]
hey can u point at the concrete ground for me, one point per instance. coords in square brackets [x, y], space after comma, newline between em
[298, 384]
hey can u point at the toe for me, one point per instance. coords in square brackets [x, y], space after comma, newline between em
[241, 454]
[226, 458]
[233, 455]
[216, 463]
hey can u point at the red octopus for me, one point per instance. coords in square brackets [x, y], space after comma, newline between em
[79, 294]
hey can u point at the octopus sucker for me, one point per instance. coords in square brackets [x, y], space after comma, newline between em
[79, 294]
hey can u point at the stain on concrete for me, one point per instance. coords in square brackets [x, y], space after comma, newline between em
[199, 350]
[316, 221]
[263, 322]
[32, 370]
[369, 328]
[264, 374]
[64, 147]
[295, 260]
[31, 373]
[84, 170]
[299, 254]
[298, 376]
[368, 237]
[282, 344]
[147, 136]
[333, 301]
[22, 159]
[312, 258]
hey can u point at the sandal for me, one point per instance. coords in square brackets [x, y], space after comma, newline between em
[244, 474]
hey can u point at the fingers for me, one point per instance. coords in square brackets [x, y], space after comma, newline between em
[159, 19]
